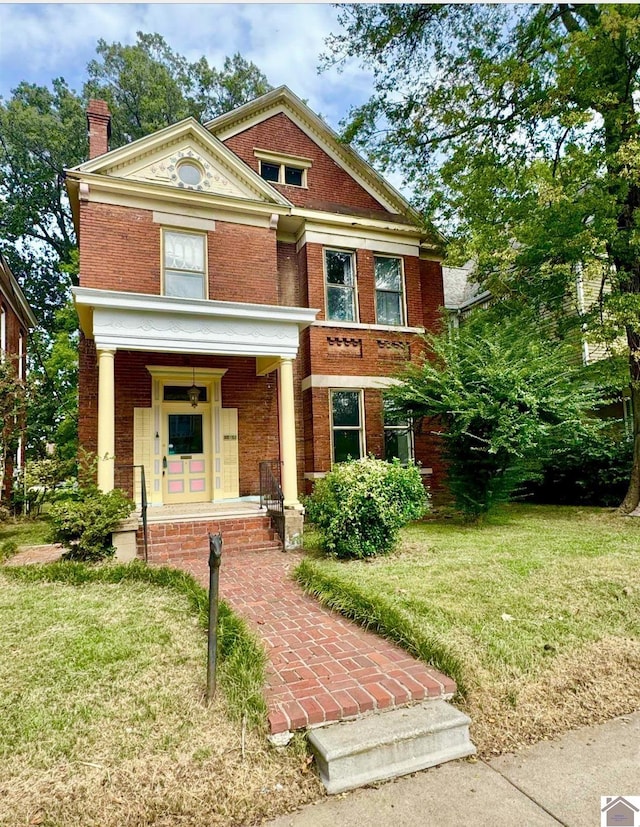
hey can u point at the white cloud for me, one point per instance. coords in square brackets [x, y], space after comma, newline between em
[285, 40]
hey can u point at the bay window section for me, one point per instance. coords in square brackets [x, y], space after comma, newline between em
[346, 425]
[340, 277]
[398, 435]
[389, 290]
[184, 265]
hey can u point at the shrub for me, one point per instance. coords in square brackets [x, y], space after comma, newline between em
[593, 469]
[360, 507]
[84, 526]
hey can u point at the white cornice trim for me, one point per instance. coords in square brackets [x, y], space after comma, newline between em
[136, 321]
[355, 240]
[316, 380]
[142, 190]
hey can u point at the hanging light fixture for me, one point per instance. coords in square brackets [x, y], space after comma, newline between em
[194, 393]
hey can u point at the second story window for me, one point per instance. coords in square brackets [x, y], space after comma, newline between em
[185, 270]
[389, 290]
[341, 292]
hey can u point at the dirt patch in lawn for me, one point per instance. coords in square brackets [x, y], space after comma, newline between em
[593, 684]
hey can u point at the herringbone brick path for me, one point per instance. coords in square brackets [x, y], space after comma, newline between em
[322, 667]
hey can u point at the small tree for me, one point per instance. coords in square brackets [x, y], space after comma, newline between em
[502, 394]
[360, 506]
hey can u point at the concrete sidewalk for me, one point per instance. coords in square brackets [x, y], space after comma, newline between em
[551, 783]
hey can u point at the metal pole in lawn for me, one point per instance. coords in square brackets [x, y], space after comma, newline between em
[215, 553]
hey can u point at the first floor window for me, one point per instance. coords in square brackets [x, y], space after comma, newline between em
[389, 293]
[341, 300]
[346, 425]
[184, 265]
[398, 435]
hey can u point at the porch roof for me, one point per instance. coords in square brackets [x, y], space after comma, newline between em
[136, 321]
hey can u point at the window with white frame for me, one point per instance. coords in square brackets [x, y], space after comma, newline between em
[398, 435]
[185, 265]
[389, 290]
[347, 425]
[339, 267]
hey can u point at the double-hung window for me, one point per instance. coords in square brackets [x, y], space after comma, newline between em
[185, 268]
[398, 435]
[346, 425]
[389, 290]
[341, 285]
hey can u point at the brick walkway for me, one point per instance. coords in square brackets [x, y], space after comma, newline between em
[322, 667]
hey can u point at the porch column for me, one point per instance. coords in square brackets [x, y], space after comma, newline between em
[288, 434]
[106, 420]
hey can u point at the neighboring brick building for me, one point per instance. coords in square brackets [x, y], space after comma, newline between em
[16, 319]
[262, 261]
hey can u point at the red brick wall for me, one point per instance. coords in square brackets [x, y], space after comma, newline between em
[326, 180]
[120, 250]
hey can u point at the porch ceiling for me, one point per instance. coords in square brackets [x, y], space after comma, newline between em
[136, 321]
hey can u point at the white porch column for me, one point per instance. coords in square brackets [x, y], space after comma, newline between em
[288, 434]
[106, 420]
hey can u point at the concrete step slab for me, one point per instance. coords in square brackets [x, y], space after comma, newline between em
[389, 744]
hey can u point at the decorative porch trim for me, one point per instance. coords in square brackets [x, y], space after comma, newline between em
[135, 321]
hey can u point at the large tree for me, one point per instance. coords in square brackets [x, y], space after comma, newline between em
[43, 131]
[516, 126]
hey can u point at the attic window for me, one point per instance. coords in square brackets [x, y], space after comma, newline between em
[282, 169]
[189, 174]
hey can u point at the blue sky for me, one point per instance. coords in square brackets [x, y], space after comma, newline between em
[39, 42]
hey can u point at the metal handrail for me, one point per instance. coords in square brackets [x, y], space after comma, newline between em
[143, 500]
[271, 496]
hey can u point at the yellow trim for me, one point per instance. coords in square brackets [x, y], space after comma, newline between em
[282, 158]
[266, 364]
[106, 420]
[288, 434]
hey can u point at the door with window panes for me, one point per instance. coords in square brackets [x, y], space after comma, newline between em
[187, 456]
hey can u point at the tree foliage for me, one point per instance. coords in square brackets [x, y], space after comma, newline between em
[43, 131]
[516, 126]
[503, 396]
[12, 413]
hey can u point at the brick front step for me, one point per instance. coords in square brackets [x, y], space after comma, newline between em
[189, 539]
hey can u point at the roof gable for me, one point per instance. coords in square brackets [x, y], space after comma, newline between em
[283, 100]
[155, 158]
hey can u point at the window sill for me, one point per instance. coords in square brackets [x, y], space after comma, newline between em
[359, 326]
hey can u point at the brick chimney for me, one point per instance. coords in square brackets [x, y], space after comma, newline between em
[99, 124]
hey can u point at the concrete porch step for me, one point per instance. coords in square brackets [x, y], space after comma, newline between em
[389, 744]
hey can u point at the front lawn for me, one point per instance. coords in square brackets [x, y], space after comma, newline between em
[102, 719]
[536, 613]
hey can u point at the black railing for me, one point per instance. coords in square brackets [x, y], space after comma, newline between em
[271, 496]
[125, 478]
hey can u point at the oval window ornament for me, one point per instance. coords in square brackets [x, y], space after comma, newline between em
[190, 174]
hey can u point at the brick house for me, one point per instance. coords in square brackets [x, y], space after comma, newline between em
[16, 319]
[248, 288]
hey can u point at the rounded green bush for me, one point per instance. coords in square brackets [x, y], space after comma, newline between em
[360, 506]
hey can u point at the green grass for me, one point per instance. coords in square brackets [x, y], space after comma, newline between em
[22, 532]
[496, 602]
[103, 719]
[242, 659]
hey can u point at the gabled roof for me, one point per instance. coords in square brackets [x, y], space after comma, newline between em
[12, 292]
[619, 800]
[284, 100]
[152, 159]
